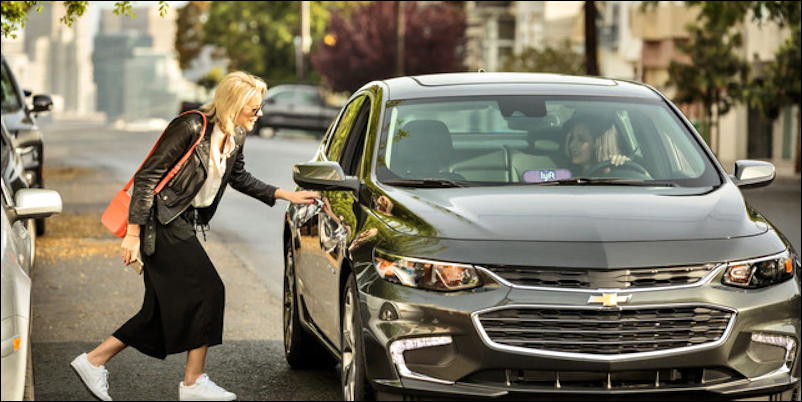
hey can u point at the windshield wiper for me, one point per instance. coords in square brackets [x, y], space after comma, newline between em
[595, 181]
[425, 183]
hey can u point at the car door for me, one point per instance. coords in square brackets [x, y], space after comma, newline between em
[338, 220]
[314, 272]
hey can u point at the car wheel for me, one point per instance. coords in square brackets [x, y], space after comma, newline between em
[267, 132]
[353, 377]
[300, 349]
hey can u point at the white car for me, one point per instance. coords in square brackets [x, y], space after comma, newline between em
[20, 206]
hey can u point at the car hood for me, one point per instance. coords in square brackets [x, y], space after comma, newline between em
[573, 213]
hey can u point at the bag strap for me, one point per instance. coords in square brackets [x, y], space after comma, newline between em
[180, 163]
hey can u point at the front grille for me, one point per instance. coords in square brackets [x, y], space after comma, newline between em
[589, 278]
[605, 331]
[550, 380]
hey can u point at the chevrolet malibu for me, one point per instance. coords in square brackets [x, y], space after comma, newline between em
[520, 235]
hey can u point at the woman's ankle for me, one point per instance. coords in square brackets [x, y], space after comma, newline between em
[189, 379]
[95, 359]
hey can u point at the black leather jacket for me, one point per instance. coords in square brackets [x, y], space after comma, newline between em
[178, 194]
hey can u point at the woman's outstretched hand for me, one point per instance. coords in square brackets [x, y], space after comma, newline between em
[299, 197]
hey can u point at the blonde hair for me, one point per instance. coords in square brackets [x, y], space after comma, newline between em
[230, 96]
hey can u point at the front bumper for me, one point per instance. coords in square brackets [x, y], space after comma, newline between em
[472, 365]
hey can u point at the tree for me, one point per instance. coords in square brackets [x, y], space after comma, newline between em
[715, 79]
[561, 59]
[15, 13]
[360, 48]
[189, 39]
[591, 44]
[258, 37]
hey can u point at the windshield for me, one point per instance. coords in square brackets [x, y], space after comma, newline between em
[504, 140]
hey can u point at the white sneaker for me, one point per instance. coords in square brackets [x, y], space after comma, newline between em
[204, 389]
[96, 379]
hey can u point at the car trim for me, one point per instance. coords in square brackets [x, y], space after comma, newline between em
[600, 358]
[705, 280]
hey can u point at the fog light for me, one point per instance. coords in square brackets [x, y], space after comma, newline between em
[397, 349]
[786, 342]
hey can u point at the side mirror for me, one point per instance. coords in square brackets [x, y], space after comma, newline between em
[34, 203]
[751, 174]
[325, 175]
[42, 103]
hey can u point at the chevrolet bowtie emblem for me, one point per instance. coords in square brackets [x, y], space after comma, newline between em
[609, 299]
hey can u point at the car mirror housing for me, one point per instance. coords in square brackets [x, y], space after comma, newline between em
[42, 103]
[323, 175]
[751, 173]
[34, 203]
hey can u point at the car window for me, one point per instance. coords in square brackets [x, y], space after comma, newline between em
[493, 140]
[308, 98]
[350, 159]
[285, 97]
[338, 139]
[11, 101]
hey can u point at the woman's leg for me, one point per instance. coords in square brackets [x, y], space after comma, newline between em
[105, 351]
[196, 360]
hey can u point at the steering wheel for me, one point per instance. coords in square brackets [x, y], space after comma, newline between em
[628, 165]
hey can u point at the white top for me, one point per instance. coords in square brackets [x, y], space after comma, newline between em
[217, 166]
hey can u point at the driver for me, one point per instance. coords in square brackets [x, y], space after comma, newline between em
[591, 140]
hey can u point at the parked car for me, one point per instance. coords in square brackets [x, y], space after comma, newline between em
[295, 106]
[21, 205]
[21, 123]
[463, 248]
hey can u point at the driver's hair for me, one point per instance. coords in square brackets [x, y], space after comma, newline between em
[602, 130]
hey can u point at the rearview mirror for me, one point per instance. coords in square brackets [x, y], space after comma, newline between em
[751, 173]
[35, 203]
[323, 175]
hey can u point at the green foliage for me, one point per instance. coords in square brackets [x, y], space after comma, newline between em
[15, 13]
[716, 76]
[560, 59]
[189, 31]
[258, 38]
[14, 16]
[780, 85]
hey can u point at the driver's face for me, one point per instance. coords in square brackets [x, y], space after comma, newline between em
[580, 145]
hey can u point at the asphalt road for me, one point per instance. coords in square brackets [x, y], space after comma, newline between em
[82, 293]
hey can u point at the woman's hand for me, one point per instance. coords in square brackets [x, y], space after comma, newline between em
[299, 197]
[130, 246]
[618, 159]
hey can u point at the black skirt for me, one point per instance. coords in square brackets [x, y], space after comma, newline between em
[184, 295]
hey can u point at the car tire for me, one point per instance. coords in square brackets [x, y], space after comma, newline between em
[301, 349]
[353, 375]
[267, 132]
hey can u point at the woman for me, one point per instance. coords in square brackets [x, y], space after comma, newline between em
[184, 296]
[592, 140]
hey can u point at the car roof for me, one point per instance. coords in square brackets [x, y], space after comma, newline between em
[461, 84]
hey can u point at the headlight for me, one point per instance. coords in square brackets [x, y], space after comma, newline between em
[760, 272]
[425, 274]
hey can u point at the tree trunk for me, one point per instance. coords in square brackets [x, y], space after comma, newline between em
[798, 136]
[591, 47]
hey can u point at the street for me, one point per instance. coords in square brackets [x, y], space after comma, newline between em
[82, 292]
